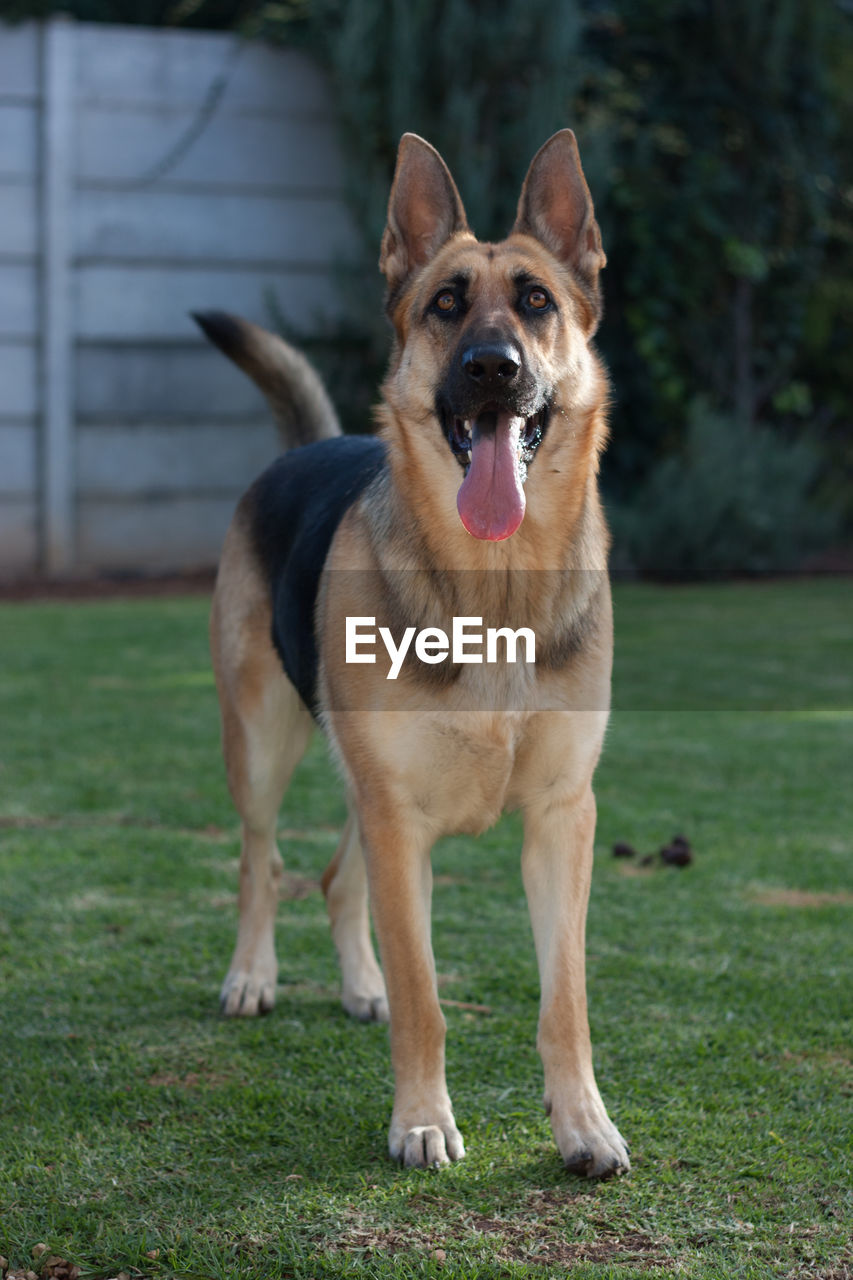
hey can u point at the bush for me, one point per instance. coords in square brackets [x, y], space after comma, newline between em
[736, 498]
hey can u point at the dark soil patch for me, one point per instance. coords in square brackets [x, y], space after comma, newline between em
[110, 587]
[537, 1234]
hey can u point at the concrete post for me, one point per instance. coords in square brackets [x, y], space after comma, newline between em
[57, 442]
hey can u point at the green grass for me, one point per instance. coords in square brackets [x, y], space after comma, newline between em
[135, 1122]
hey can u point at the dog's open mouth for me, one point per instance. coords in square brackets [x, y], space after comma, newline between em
[495, 449]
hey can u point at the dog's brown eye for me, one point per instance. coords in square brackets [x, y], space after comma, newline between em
[446, 301]
[538, 299]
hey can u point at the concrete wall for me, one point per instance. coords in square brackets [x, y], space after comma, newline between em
[144, 174]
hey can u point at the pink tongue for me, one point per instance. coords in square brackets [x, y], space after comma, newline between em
[490, 500]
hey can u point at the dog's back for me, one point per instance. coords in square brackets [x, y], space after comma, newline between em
[289, 516]
[293, 511]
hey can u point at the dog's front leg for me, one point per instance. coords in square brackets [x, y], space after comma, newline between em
[423, 1130]
[557, 867]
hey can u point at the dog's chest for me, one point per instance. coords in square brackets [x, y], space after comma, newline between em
[459, 766]
[452, 770]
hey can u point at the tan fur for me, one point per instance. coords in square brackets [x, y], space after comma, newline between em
[441, 751]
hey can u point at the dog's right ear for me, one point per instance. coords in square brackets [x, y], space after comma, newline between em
[424, 211]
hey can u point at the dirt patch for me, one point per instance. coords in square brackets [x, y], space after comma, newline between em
[123, 586]
[538, 1233]
[53, 1267]
[295, 887]
[808, 1272]
[79, 821]
[837, 1065]
[169, 1080]
[800, 898]
[507, 1242]
[224, 901]
[26, 822]
[199, 1079]
[314, 835]
[209, 832]
[315, 991]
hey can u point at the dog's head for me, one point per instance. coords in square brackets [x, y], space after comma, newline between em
[492, 358]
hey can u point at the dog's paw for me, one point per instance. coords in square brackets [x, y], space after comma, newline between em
[247, 993]
[605, 1158]
[426, 1146]
[363, 993]
[366, 1008]
[590, 1144]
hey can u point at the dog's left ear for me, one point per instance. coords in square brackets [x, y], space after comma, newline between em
[556, 208]
[424, 210]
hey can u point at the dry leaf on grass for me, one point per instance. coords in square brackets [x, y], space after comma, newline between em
[59, 1269]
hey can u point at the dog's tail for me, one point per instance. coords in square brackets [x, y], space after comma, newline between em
[298, 399]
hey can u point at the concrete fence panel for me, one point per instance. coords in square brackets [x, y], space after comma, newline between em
[145, 174]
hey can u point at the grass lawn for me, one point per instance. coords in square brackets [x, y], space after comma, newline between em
[140, 1133]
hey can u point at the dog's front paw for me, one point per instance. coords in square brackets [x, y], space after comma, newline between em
[426, 1146]
[247, 992]
[588, 1141]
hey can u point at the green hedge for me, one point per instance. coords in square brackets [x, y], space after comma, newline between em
[733, 498]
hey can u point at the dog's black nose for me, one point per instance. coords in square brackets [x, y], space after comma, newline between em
[492, 363]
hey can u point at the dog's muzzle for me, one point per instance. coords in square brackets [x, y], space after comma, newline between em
[494, 414]
[459, 432]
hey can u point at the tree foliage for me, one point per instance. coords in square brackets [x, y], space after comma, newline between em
[723, 152]
[713, 137]
[710, 136]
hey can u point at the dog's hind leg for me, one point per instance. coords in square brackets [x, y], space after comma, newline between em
[345, 886]
[265, 730]
[261, 752]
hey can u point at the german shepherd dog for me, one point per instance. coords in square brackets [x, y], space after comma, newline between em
[477, 500]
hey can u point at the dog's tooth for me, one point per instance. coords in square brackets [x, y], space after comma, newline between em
[468, 454]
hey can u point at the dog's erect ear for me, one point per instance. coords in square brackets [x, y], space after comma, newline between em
[556, 207]
[424, 210]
